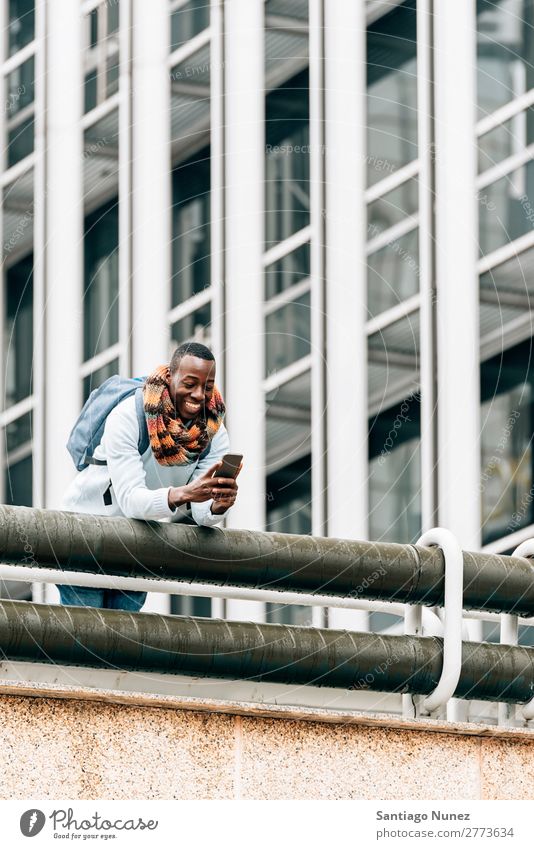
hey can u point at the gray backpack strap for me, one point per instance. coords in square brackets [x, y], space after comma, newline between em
[144, 440]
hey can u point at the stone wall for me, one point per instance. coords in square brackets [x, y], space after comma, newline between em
[85, 748]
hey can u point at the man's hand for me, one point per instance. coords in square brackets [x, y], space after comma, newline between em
[224, 496]
[208, 485]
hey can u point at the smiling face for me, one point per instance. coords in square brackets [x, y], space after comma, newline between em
[191, 386]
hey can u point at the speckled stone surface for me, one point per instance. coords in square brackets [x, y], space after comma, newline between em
[507, 769]
[89, 750]
[293, 760]
[76, 748]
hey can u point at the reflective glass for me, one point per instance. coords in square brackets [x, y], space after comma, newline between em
[392, 207]
[506, 209]
[288, 426]
[391, 92]
[393, 273]
[289, 512]
[506, 481]
[287, 334]
[506, 139]
[18, 432]
[287, 160]
[188, 21]
[187, 605]
[285, 272]
[96, 378]
[101, 280]
[18, 332]
[20, 141]
[21, 24]
[20, 87]
[18, 482]
[195, 327]
[505, 51]
[395, 473]
[191, 228]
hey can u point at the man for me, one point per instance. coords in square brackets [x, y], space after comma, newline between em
[184, 412]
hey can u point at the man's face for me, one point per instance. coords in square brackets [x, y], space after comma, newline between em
[191, 386]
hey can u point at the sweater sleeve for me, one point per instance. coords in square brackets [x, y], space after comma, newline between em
[126, 470]
[201, 511]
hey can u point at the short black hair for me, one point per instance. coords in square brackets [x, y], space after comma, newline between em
[193, 349]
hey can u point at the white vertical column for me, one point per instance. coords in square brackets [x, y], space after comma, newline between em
[125, 189]
[346, 289]
[457, 282]
[217, 206]
[151, 189]
[64, 242]
[151, 197]
[317, 221]
[244, 325]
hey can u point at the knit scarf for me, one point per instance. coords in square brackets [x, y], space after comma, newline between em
[172, 443]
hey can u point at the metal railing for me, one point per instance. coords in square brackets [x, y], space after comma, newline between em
[53, 546]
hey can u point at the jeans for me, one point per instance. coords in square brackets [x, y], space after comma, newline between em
[93, 597]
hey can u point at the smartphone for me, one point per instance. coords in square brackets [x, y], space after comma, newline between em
[230, 466]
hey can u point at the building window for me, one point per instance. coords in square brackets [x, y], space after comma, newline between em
[391, 92]
[18, 332]
[19, 109]
[191, 272]
[507, 424]
[101, 53]
[194, 327]
[287, 160]
[505, 51]
[506, 208]
[188, 605]
[187, 20]
[101, 280]
[21, 24]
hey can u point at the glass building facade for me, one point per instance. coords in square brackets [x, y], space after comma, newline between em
[152, 205]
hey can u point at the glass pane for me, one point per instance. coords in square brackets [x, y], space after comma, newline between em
[20, 141]
[506, 294]
[506, 482]
[288, 431]
[393, 273]
[506, 139]
[91, 96]
[188, 21]
[21, 24]
[18, 482]
[505, 51]
[191, 228]
[18, 332]
[112, 75]
[284, 273]
[101, 281]
[296, 9]
[391, 92]
[506, 209]
[93, 27]
[288, 614]
[94, 380]
[287, 334]
[113, 15]
[392, 207]
[187, 605]
[395, 473]
[20, 87]
[195, 327]
[18, 432]
[287, 160]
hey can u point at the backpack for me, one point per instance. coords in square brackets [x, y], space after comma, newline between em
[87, 432]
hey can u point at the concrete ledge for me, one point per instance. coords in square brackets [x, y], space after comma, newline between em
[76, 743]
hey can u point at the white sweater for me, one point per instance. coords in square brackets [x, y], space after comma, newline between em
[139, 485]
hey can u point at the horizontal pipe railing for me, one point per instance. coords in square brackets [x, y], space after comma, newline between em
[179, 645]
[264, 561]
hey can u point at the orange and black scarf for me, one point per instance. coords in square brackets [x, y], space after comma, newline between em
[172, 443]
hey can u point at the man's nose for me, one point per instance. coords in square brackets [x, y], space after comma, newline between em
[198, 393]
